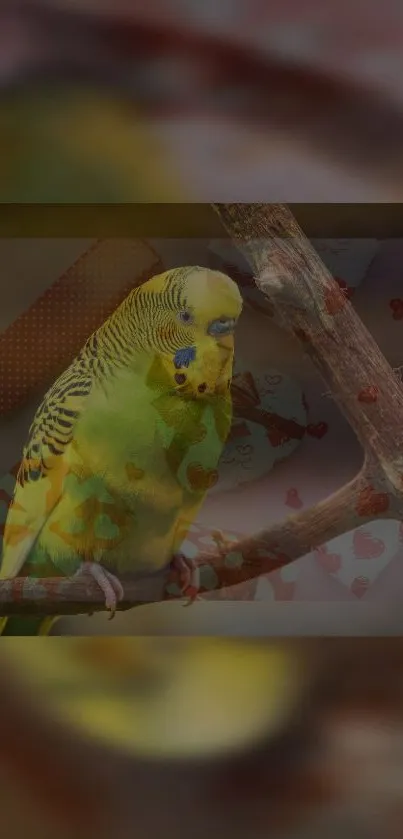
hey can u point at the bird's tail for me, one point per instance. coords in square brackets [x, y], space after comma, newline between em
[26, 626]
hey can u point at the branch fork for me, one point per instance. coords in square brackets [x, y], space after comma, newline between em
[358, 377]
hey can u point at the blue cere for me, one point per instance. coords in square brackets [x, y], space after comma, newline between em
[184, 357]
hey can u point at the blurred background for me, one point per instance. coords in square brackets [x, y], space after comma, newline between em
[194, 736]
[115, 100]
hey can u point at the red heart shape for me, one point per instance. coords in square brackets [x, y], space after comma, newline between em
[334, 300]
[200, 478]
[347, 291]
[317, 430]
[397, 308]
[368, 394]
[365, 547]
[330, 562]
[371, 502]
[292, 499]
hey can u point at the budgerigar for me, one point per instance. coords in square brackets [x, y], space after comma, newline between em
[127, 441]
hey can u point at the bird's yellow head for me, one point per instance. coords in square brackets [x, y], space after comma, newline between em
[190, 316]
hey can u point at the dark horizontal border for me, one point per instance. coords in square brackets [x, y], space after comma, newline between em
[188, 220]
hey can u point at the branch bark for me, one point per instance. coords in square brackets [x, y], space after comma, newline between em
[314, 308]
[312, 305]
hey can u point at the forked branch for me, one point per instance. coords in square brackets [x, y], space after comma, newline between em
[312, 305]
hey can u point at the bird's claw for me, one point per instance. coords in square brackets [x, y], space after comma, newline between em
[192, 593]
[109, 584]
[189, 575]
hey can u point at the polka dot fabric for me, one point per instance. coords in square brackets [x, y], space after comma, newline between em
[45, 338]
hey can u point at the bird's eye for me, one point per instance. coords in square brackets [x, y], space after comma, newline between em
[185, 316]
[221, 326]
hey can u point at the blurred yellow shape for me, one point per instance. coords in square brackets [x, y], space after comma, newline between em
[163, 697]
[70, 144]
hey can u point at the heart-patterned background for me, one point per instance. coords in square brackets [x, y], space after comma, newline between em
[289, 446]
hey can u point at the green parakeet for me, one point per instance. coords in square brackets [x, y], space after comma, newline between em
[126, 443]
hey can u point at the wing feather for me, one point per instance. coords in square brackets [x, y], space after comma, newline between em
[43, 468]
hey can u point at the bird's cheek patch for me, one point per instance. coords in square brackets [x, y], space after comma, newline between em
[184, 356]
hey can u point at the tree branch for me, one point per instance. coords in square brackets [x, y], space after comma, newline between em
[247, 559]
[314, 308]
[312, 305]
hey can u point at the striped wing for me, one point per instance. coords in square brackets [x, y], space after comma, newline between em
[43, 468]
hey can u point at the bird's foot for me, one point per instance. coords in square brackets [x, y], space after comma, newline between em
[189, 575]
[109, 584]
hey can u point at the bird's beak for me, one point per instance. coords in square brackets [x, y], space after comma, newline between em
[226, 342]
